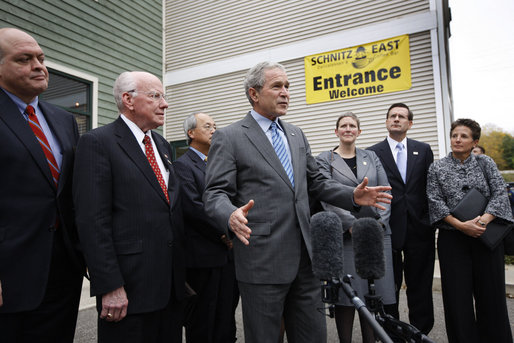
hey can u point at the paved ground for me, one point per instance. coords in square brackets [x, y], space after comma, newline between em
[86, 325]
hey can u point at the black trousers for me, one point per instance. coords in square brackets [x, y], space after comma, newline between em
[54, 320]
[162, 326]
[473, 285]
[416, 262]
[213, 319]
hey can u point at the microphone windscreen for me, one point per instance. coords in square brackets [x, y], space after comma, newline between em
[368, 248]
[327, 245]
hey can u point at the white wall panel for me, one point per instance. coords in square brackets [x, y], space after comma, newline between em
[223, 97]
[203, 31]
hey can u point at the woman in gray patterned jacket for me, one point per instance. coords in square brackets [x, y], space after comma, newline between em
[472, 276]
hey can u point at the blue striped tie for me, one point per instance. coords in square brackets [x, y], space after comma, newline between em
[280, 149]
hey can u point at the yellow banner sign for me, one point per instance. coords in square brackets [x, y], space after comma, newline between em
[364, 70]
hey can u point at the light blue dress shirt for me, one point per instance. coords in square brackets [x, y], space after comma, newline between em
[52, 140]
[265, 124]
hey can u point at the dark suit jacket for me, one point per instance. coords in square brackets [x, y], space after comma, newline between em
[243, 165]
[30, 204]
[131, 236]
[409, 199]
[204, 247]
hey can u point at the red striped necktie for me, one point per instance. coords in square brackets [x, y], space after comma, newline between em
[40, 135]
[153, 162]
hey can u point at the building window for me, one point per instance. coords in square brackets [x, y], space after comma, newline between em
[72, 94]
[178, 148]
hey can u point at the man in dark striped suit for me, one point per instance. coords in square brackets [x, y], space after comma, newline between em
[127, 197]
[40, 268]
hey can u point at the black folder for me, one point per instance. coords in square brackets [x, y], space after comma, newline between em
[472, 205]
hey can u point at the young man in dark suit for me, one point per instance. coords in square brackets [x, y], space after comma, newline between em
[129, 217]
[406, 163]
[40, 268]
[210, 265]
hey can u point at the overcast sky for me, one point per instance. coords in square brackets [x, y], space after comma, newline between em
[482, 61]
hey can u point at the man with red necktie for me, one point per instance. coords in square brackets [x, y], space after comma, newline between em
[129, 217]
[40, 268]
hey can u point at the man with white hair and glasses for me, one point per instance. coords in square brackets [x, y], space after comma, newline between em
[129, 217]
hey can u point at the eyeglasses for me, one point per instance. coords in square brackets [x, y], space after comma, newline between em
[155, 96]
[208, 127]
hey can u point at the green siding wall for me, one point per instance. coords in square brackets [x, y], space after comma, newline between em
[102, 38]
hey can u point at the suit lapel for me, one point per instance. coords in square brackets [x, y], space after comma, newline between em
[163, 151]
[196, 160]
[258, 138]
[388, 159]
[363, 165]
[340, 166]
[131, 147]
[19, 126]
[60, 132]
[198, 167]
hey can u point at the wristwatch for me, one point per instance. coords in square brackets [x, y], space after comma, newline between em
[481, 223]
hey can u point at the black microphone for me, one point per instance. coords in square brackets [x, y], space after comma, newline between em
[368, 248]
[327, 245]
[327, 265]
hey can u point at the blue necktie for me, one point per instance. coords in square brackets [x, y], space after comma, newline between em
[401, 161]
[280, 149]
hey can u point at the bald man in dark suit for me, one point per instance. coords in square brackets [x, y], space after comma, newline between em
[41, 269]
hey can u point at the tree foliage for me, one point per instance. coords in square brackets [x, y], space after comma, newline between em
[508, 151]
[499, 145]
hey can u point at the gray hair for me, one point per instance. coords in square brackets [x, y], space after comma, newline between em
[351, 115]
[124, 83]
[190, 124]
[255, 76]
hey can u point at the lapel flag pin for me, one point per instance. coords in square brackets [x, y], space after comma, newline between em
[414, 152]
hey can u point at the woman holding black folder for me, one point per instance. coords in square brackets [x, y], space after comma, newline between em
[472, 275]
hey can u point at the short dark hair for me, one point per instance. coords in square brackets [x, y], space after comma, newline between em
[469, 123]
[481, 148]
[400, 104]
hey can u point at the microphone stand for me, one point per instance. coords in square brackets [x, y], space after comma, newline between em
[363, 311]
[398, 330]
[373, 301]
